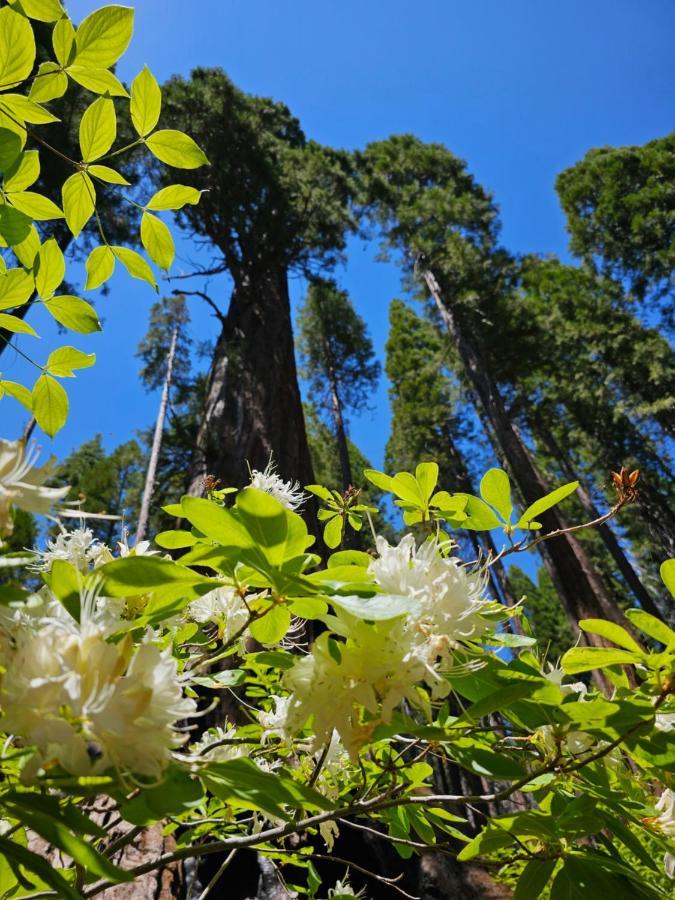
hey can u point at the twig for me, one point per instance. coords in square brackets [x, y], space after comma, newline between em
[390, 882]
[216, 878]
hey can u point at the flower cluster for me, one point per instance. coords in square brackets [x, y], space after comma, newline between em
[22, 485]
[288, 493]
[82, 700]
[376, 665]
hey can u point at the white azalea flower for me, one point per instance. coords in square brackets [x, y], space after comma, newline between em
[274, 722]
[343, 889]
[664, 721]
[665, 805]
[288, 493]
[78, 547]
[556, 675]
[82, 701]
[224, 607]
[22, 485]
[210, 746]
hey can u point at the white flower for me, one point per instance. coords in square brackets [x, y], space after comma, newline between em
[343, 889]
[142, 548]
[23, 485]
[83, 701]
[274, 722]
[669, 865]
[215, 745]
[288, 493]
[556, 675]
[666, 806]
[224, 607]
[664, 721]
[78, 547]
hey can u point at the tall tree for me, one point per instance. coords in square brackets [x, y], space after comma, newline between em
[337, 360]
[445, 227]
[620, 210]
[429, 421]
[106, 483]
[274, 203]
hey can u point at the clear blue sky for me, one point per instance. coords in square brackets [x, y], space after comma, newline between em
[520, 89]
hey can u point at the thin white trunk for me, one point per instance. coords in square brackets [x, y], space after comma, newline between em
[156, 443]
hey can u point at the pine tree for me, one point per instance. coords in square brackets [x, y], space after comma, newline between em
[337, 361]
[275, 203]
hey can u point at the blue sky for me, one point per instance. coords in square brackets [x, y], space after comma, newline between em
[520, 89]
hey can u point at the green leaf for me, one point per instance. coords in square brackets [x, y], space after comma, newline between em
[39, 866]
[17, 48]
[139, 574]
[74, 313]
[49, 404]
[18, 392]
[105, 173]
[15, 228]
[38, 207]
[63, 41]
[277, 532]
[10, 148]
[539, 506]
[380, 480]
[100, 265]
[426, 475]
[98, 129]
[667, 572]
[176, 149]
[16, 286]
[98, 81]
[175, 539]
[612, 632]
[178, 793]
[58, 835]
[146, 102]
[652, 626]
[243, 781]
[51, 269]
[375, 609]
[135, 265]
[498, 700]
[16, 325]
[42, 10]
[216, 522]
[479, 516]
[495, 489]
[103, 37]
[24, 171]
[176, 196]
[157, 240]
[21, 107]
[489, 840]
[534, 878]
[272, 626]
[66, 583]
[63, 361]
[332, 532]
[583, 659]
[50, 83]
[79, 199]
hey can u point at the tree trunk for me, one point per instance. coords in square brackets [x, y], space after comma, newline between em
[340, 434]
[581, 589]
[253, 407]
[605, 531]
[156, 443]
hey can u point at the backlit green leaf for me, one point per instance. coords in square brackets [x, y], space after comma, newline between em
[105, 173]
[272, 626]
[17, 48]
[23, 172]
[495, 489]
[100, 266]
[135, 265]
[63, 41]
[38, 207]
[16, 286]
[176, 149]
[539, 506]
[50, 83]
[42, 10]
[98, 128]
[176, 196]
[50, 404]
[103, 37]
[16, 325]
[583, 659]
[146, 102]
[611, 631]
[157, 240]
[79, 199]
[74, 313]
[51, 268]
[98, 81]
[65, 360]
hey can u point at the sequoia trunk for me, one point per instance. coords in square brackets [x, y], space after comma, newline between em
[253, 409]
